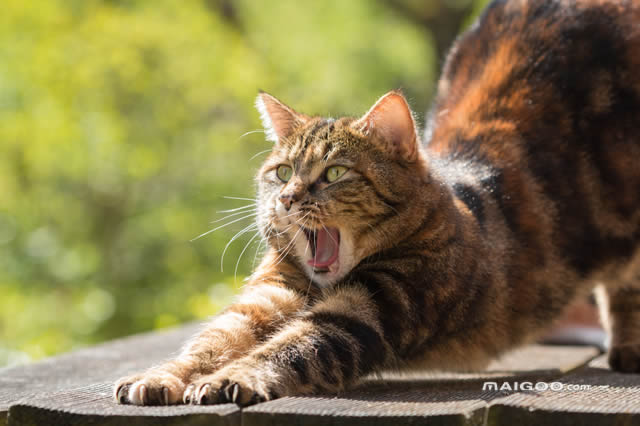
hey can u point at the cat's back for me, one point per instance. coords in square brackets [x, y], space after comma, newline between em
[543, 85]
[541, 49]
[545, 95]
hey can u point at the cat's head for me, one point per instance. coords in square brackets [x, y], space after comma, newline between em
[330, 192]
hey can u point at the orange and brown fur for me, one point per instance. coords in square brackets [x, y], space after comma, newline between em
[525, 193]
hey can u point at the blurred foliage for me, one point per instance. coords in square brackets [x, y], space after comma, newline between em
[123, 124]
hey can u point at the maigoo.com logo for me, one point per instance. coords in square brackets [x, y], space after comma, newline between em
[538, 386]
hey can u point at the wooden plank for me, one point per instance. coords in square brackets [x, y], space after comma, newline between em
[410, 403]
[533, 360]
[418, 398]
[593, 395]
[76, 389]
[94, 405]
[101, 363]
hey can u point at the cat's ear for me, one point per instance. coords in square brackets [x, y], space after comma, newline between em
[391, 121]
[279, 120]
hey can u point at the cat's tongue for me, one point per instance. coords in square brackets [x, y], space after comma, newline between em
[327, 248]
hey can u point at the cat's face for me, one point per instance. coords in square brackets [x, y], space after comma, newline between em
[328, 186]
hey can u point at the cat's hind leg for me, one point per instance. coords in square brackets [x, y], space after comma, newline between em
[624, 324]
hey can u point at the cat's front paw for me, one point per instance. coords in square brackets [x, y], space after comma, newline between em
[150, 388]
[240, 386]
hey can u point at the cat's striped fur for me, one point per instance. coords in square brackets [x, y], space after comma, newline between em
[525, 193]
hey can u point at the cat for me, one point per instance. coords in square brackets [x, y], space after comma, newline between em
[388, 252]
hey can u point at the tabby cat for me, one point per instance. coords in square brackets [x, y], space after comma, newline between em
[389, 253]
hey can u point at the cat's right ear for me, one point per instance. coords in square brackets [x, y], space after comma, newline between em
[392, 122]
[279, 120]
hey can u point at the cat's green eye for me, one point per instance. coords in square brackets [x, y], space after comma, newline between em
[335, 172]
[284, 173]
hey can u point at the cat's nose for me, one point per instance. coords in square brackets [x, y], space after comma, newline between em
[288, 199]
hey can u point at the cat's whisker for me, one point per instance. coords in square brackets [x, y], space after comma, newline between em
[259, 153]
[235, 272]
[232, 215]
[292, 214]
[306, 249]
[329, 233]
[325, 160]
[279, 233]
[251, 132]
[313, 272]
[222, 226]
[274, 232]
[255, 255]
[291, 244]
[238, 234]
[288, 247]
[284, 231]
[239, 198]
[248, 206]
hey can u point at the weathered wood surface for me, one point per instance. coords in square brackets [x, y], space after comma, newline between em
[77, 389]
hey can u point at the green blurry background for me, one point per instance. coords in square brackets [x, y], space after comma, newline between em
[124, 124]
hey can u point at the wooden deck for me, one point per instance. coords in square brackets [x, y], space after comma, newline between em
[76, 389]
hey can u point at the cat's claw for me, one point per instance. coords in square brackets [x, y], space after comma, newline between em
[165, 396]
[121, 393]
[143, 395]
[187, 397]
[203, 395]
[235, 390]
[149, 389]
[215, 390]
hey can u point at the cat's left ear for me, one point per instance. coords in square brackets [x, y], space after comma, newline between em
[279, 120]
[391, 121]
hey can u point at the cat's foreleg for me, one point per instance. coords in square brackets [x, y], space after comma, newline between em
[260, 310]
[333, 345]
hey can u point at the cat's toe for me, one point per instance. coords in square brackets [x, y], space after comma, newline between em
[206, 391]
[242, 390]
[244, 394]
[149, 389]
[121, 392]
[625, 359]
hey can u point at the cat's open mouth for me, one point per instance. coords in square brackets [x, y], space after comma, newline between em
[325, 247]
